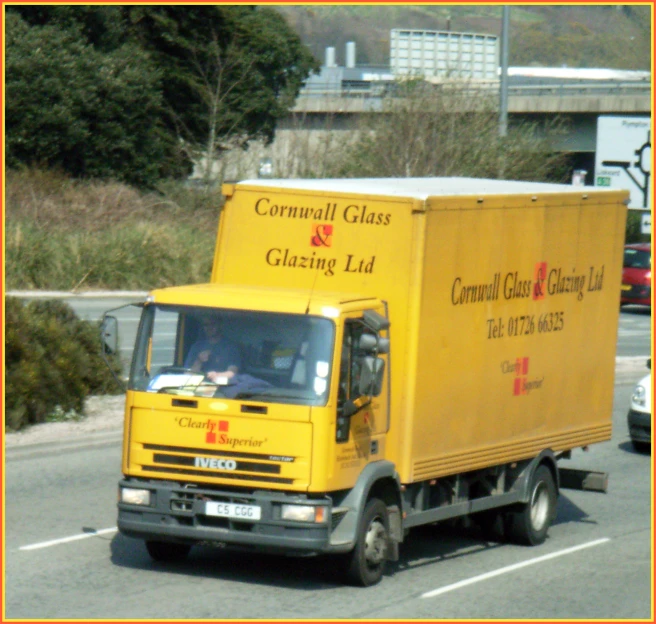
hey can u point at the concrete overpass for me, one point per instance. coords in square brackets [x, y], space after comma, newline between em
[580, 104]
[335, 101]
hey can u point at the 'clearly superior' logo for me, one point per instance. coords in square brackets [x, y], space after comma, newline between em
[522, 385]
[216, 432]
[521, 371]
[214, 428]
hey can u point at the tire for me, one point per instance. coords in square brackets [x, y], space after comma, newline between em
[529, 523]
[641, 447]
[366, 562]
[167, 552]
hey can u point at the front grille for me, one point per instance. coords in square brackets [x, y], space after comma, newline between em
[182, 501]
[221, 475]
[233, 465]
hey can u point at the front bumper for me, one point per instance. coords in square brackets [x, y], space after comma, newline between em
[637, 294]
[178, 514]
[639, 426]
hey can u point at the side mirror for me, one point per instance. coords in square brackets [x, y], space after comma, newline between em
[370, 343]
[649, 363]
[109, 334]
[371, 376]
[349, 408]
[375, 321]
[367, 343]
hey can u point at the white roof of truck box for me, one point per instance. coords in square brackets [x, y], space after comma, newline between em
[418, 188]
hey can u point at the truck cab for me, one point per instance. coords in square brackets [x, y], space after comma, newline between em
[264, 456]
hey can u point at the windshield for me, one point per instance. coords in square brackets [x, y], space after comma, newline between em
[637, 259]
[212, 352]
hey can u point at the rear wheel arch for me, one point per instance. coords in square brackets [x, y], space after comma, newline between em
[546, 458]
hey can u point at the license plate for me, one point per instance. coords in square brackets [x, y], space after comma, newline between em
[626, 286]
[233, 510]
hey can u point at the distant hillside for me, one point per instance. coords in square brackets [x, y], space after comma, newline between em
[613, 36]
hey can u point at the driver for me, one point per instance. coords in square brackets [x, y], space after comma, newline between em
[215, 355]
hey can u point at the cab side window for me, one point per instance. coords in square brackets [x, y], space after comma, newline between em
[351, 360]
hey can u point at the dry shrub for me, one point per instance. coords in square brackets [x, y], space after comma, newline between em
[50, 200]
[64, 234]
[449, 128]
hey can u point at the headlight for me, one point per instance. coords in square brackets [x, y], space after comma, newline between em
[303, 513]
[133, 496]
[639, 396]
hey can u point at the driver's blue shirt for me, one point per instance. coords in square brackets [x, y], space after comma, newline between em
[223, 354]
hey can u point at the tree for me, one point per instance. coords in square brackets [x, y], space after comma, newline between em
[84, 112]
[100, 26]
[201, 77]
[217, 74]
[448, 129]
[229, 72]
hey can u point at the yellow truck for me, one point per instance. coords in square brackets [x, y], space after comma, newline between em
[387, 353]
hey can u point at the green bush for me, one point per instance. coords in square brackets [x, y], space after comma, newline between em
[52, 363]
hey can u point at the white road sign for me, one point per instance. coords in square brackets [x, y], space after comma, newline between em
[645, 224]
[623, 157]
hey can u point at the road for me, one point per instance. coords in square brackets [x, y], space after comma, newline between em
[64, 559]
[634, 333]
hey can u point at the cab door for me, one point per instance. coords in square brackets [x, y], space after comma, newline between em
[362, 418]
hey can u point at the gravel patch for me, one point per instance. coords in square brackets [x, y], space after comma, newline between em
[103, 414]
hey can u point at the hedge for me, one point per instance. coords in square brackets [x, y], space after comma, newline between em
[53, 363]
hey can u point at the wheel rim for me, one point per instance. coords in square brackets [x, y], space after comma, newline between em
[375, 542]
[540, 506]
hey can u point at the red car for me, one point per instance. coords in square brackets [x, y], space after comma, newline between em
[636, 275]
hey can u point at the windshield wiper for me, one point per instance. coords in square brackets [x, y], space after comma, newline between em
[249, 394]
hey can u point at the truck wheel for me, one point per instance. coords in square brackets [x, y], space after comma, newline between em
[530, 523]
[641, 447]
[366, 562]
[167, 552]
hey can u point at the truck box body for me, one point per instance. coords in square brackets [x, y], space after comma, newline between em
[502, 300]
[404, 351]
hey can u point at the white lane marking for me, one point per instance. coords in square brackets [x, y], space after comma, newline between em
[512, 568]
[72, 538]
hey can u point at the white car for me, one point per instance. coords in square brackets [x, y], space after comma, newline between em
[639, 417]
